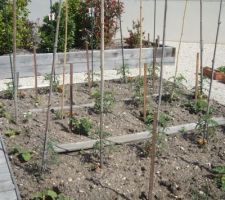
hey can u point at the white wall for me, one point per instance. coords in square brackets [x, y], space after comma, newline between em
[174, 19]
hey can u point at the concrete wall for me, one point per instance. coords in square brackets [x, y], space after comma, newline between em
[39, 8]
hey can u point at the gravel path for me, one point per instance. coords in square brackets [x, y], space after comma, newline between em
[187, 64]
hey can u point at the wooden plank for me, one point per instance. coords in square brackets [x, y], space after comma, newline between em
[136, 137]
[8, 195]
[65, 107]
[6, 186]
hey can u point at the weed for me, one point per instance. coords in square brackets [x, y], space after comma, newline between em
[5, 114]
[108, 101]
[51, 195]
[123, 71]
[53, 157]
[55, 83]
[95, 77]
[150, 70]
[82, 126]
[219, 171]
[24, 155]
[58, 114]
[9, 92]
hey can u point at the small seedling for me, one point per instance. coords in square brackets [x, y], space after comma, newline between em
[82, 126]
[108, 101]
[138, 92]
[50, 195]
[11, 133]
[206, 128]
[124, 72]
[219, 171]
[24, 155]
[55, 83]
[198, 106]
[174, 88]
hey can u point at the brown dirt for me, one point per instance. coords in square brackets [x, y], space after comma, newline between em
[183, 169]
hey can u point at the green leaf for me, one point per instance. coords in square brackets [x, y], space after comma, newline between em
[52, 194]
[219, 170]
[26, 156]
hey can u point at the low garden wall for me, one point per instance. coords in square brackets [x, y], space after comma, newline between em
[113, 60]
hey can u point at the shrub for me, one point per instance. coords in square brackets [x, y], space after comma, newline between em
[133, 41]
[112, 11]
[47, 30]
[221, 69]
[108, 101]
[24, 27]
[82, 126]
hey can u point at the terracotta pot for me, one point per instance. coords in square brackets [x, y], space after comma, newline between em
[219, 76]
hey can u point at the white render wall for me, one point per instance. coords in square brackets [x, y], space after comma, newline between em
[40, 8]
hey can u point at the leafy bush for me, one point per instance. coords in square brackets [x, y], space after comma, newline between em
[82, 126]
[85, 21]
[47, 30]
[24, 27]
[123, 71]
[133, 41]
[220, 172]
[108, 101]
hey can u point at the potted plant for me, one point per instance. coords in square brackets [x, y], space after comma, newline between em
[219, 74]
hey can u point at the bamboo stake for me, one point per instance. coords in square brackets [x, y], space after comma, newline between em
[145, 90]
[179, 46]
[156, 43]
[92, 43]
[213, 64]
[65, 59]
[14, 60]
[122, 47]
[44, 158]
[152, 157]
[71, 93]
[162, 62]
[102, 76]
[35, 72]
[141, 24]
[154, 28]
[196, 77]
[88, 68]
[201, 49]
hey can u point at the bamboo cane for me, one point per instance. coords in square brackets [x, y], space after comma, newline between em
[154, 28]
[35, 72]
[122, 47]
[14, 59]
[145, 90]
[88, 68]
[179, 46]
[141, 24]
[201, 49]
[152, 157]
[213, 64]
[71, 94]
[196, 77]
[65, 59]
[162, 62]
[44, 158]
[102, 77]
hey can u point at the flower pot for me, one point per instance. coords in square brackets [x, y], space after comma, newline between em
[219, 76]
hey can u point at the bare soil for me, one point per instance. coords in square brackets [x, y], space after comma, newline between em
[183, 168]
